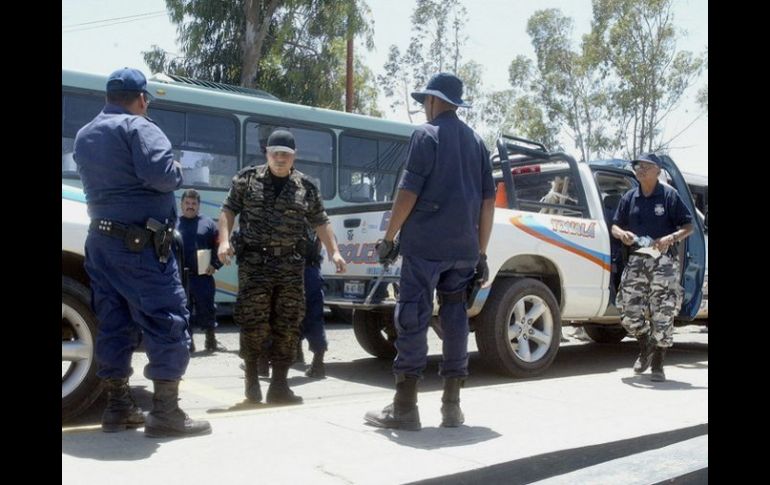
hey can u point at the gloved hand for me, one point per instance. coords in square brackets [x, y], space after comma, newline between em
[482, 270]
[387, 251]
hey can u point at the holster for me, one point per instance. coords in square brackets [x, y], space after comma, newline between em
[162, 238]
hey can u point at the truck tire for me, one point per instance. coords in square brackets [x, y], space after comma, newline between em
[79, 385]
[508, 341]
[375, 332]
[341, 315]
[606, 334]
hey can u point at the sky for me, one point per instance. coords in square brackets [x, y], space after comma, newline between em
[496, 31]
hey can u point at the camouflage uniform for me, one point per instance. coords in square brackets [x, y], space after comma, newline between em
[270, 248]
[650, 290]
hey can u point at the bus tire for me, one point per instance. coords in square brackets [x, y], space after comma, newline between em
[606, 334]
[375, 332]
[80, 385]
[511, 344]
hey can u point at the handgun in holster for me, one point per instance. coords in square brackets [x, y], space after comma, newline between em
[236, 241]
[162, 238]
[473, 288]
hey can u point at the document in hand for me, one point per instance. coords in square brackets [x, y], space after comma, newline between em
[204, 260]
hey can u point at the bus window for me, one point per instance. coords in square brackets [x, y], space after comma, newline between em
[77, 110]
[314, 152]
[369, 167]
[206, 145]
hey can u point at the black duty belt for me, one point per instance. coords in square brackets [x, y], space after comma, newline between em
[119, 230]
[276, 251]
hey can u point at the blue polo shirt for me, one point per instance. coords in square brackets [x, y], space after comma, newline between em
[125, 164]
[448, 168]
[658, 215]
[199, 232]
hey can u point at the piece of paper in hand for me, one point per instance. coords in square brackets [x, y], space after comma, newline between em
[204, 260]
[649, 251]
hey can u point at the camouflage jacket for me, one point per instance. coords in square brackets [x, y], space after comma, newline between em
[267, 221]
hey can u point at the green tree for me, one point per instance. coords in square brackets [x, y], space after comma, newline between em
[435, 46]
[281, 46]
[634, 43]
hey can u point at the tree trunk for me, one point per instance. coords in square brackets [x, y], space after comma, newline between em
[257, 23]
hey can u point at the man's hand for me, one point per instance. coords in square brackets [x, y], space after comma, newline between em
[339, 262]
[211, 270]
[225, 252]
[627, 237]
[387, 251]
[662, 244]
[482, 270]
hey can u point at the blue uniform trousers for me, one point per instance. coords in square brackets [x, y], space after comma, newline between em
[313, 323]
[201, 303]
[419, 278]
[134, 292]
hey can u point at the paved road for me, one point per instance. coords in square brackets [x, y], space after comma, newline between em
[588, 419]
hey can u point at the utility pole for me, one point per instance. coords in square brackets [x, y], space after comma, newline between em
[349, 70]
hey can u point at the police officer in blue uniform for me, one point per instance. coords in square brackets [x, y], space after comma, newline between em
[199, 232]
[650, 293]
[313, 323]
[444, 209]
[129, 176]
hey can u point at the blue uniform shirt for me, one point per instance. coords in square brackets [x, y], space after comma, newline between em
[658, 215]
[125, 164]
[448, 168]
[198, 232]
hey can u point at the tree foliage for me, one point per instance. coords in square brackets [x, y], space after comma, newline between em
[281, 46]
[436, 46]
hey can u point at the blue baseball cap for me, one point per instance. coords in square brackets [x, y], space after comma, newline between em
[649, 158]
[127, 79]
[445, 86]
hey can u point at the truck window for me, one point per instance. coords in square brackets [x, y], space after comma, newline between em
[552, 184]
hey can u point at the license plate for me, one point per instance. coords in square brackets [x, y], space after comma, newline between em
[354, 289]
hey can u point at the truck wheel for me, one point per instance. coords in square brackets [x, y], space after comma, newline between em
[519, 329]
[606, 334]
[375, 332]
[79, 385]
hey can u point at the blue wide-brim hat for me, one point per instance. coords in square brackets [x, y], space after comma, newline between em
[445, 86]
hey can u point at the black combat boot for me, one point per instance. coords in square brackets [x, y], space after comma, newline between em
[166, 419]
[212, 344]
[317, 368]
[402, 413]
[451, 414]
[279, 392]
[646, 345]
[253, 391]
[122, 412]
[300, 358]
[192, 340]
[657, 365]
[263, 366]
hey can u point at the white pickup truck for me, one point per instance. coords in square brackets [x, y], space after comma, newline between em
[551, 260]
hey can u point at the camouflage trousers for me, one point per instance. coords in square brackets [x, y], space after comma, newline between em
[650, 296]
[270, 307]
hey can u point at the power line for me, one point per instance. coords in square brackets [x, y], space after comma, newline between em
[115, 18]
[111, 22]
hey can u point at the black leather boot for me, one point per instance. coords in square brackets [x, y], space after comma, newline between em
[253, 391]
[402, 413]
[212, 344]
[166, 419]
[646, 345]
[192, 340]
[657, 365]
[451, 414]
[317, 368]
[278, 392]
[121, 412]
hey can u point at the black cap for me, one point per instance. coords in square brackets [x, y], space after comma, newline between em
[281, 141]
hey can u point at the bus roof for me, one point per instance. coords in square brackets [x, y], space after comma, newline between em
[242, 103]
